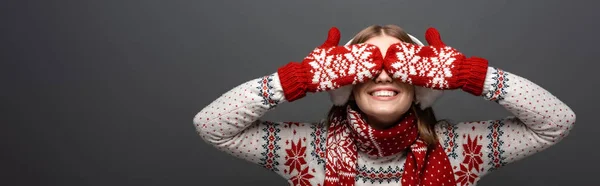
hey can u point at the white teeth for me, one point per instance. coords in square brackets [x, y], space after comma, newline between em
[384, 93]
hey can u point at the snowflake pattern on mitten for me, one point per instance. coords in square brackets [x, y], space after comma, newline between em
[436, 66]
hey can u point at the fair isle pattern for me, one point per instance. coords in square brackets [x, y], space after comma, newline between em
[431, 70]
[271, 148]
[303, 177]
[450, 140]
[538, 120]
[337, 66]
[495, 146]
[420, 168]
[295, 158]
[374, 142]
[499, 86]
[266, 91]
[339, 162]
[372, 175]
[318, 143]
[471, 166]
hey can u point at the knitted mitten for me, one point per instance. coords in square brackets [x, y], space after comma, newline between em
[435, 66]
[330, 66]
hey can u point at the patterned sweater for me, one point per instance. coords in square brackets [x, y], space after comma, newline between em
[296, 151]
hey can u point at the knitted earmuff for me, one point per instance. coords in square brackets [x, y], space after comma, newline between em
[424, 97]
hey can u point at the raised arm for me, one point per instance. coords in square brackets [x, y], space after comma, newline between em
[539, 121]
[232, 122]
[539, 118]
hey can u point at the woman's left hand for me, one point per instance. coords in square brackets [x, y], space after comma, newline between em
[435, 66]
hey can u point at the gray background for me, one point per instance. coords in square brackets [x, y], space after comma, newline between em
[104, 92]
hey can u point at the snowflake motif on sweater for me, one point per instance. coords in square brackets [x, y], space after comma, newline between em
[296, 150]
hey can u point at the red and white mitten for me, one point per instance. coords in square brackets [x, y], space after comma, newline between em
[435, 66]
[329, 67]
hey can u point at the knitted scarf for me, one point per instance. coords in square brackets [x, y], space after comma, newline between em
[348, 133]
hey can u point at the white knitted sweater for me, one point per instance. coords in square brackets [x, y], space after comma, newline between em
[232, 124]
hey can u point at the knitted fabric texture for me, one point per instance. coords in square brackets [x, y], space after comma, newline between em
[329, 67]
[435, 66]
[424, 97]
[466, 151]
[348, 133]
[297, 151]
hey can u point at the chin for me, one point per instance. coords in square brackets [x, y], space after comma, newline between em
[396, 105]
[387, 113]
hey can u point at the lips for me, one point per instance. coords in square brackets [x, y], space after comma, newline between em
[384, 93]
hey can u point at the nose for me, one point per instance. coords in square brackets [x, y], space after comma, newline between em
[383, 77]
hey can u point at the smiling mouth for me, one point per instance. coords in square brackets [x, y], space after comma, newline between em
[383, 93]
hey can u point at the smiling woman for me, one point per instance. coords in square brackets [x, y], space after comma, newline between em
[384, 108]
[381, 129]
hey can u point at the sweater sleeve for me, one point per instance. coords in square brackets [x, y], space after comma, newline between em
[232, 124]
[539, 121]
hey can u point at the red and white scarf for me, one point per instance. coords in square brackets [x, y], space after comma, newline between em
[348, 133]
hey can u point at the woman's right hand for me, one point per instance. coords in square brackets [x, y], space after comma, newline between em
[329, 67]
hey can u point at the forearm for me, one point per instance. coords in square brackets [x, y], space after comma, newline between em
[541, 112]
[232, 124]
[237, 109]
[539, 120]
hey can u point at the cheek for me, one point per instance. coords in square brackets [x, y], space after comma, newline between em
[357, 90]
[359, 96]
[412, 94]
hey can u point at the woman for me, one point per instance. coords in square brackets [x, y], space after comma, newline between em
[381, 129]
